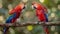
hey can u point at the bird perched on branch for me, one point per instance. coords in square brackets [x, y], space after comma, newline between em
[41, 13]
[15, 13]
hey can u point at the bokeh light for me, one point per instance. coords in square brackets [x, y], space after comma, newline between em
[56, 1]
[53, 9]
[29, 27]
[53, 15]
[1, 18]
[56, 33]
[24, 0]
[11, 31]
[1, 5]
[10, 7]
[1, 32]
[52, 28]
[41, 1]
[59, 7]
[29, 15]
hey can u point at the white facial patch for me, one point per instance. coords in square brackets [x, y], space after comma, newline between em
[34, 6]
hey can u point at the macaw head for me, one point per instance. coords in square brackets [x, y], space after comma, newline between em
[36, 5]
[39, 6]
[22, 5]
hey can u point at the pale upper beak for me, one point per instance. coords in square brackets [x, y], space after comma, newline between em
[34, 6]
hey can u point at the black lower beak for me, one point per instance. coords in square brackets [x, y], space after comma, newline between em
[24, 7]
[34, 7]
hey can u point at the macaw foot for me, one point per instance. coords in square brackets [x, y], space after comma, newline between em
[38, 22]
[15, 24]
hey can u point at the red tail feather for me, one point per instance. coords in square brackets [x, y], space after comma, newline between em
[46, 30]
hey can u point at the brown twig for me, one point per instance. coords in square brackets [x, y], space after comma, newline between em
[32, 23]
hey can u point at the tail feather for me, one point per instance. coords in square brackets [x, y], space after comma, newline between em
[46, 30]
[9, 20]
[5, 30]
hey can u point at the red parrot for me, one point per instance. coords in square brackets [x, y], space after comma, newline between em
[15, 13]
[41, 13]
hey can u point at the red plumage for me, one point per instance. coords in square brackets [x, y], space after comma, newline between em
[17, 10]
[41, 14]
[15, 13]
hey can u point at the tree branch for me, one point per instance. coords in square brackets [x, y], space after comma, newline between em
[31, 23]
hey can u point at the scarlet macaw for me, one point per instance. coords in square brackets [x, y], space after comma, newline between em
[41, 13]
[15, 13]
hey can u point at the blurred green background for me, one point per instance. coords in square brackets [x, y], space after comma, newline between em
[28, 15]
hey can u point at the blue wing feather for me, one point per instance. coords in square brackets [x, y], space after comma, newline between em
[9, 21]
[10, 18]
[46, 16]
